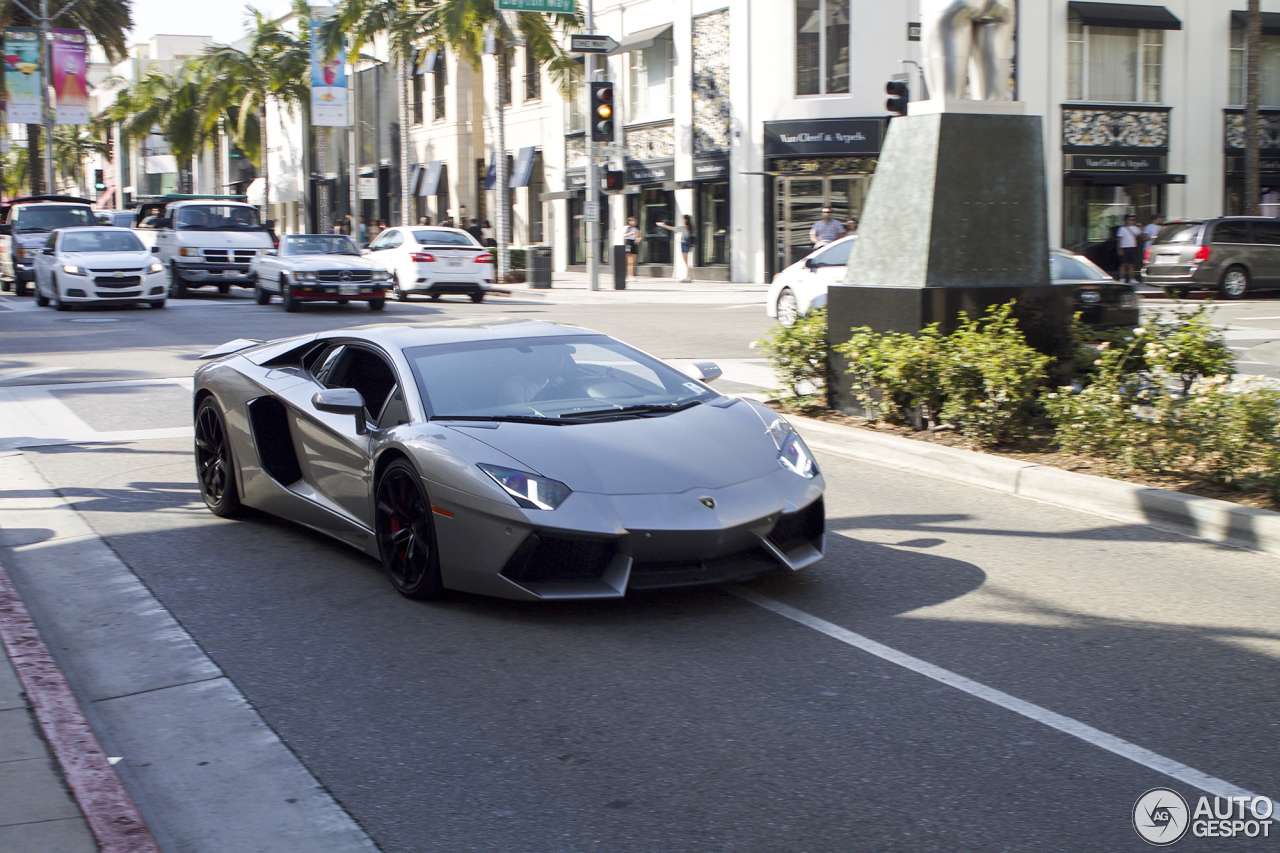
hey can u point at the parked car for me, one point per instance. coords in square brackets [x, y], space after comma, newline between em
[434, 262]
[97, 264]
[1102, 301]
[118, 218]
[207, 242]
[522, 460]
[1231, 255]
[25, 224]
[318, 268]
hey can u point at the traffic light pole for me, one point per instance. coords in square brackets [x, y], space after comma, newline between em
[593, 182]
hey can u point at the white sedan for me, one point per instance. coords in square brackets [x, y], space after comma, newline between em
[434, 262]
[97, 264]
[803, 285]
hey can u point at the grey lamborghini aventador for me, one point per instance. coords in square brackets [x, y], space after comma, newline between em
[516, 459]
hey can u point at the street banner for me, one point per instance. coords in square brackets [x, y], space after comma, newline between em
[563, 7]
[22, 75]
[69, 59]
[328, 86]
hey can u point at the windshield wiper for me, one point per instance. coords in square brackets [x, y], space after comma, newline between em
[518, 419]
[633, 411]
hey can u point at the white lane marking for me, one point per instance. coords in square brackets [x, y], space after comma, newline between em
[23, 374]
[1075, 728]
[1257, 363]
[1249, 319]
[743, 305]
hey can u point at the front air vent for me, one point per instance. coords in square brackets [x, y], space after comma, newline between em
[545, 558]
[276, 453]
[804, 527]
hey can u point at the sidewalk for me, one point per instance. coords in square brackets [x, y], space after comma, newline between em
[574, 287]
[37, 812]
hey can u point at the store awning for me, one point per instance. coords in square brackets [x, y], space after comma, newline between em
[642, 39]
[1129, 15]
[1124, 178]
[431, 178]
[415, 175]
[523, 168]
[1270, 22]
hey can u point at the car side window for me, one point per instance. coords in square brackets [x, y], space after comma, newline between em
[836, 256]
[1231, 232]
[387, 240]
[395, 412]
[368, 373]
[1267, 232]
[326, 364]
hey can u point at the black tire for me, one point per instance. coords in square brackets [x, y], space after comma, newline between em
[215, 467]
[58, 304]
[477, 297]
[19, 287]
[395, 287]
[435, 297]
[343, 301]
[377, 304]
[156, 303]
[224, 288]
[1234, 283]
[177, 284]
[6, 285]
[406, 533]
[262, 296]
[41, 299]
[291, 304]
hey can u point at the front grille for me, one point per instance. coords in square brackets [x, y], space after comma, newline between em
[542, 558]
[123, 281]
[740, 566]
[118, 294]
[345, 275]
[803, 527]
[133, 271]
[223, 256]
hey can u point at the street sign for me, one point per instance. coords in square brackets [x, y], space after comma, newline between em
[591, 44]
[549, 6]
[591, 211]
[369, 189]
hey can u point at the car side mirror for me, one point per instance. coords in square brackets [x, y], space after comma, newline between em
[46, 251]
[704, 371]
[155, 250]
[342, 401]
[811, 263]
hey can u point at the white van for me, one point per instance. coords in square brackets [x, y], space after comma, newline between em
[209, 242]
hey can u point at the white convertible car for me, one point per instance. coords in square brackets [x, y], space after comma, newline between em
[318, 268]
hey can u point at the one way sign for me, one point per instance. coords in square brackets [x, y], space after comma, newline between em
[591, 44]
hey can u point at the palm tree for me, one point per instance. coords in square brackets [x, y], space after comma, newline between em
[72, 145]
[106, 21]
[274, 67]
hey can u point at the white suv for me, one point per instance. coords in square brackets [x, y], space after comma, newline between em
[206, 242]
[434, 262]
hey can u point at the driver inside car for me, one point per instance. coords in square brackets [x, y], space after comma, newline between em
[544, 374]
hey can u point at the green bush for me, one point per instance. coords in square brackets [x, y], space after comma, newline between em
[516, 259]
[798, 356]
[980, 379]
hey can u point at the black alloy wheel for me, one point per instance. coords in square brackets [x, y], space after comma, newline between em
[291, 303]
[214, 466]
[406, 533]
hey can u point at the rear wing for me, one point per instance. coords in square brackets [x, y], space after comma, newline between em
[232, 347]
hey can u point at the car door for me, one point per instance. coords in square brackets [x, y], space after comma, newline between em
[388, 249]
[44, 262]
[336, 458]
[1266, 236]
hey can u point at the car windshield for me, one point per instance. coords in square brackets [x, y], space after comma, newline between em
[216, 217]
[1179, 232]
[565, 379]
[443, 238]
[48, 218]
[1074, 268]
[101, 241]
[324, 244]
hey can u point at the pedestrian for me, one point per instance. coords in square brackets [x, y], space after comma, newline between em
[851, 227]
[1150, 231]
[363, 231]
[825, 230]
[424, 220]
[682, 233]
[631, 238]
[447, 222]
[345, 224]
[487, 235]
[473, 228]
[1129, 239]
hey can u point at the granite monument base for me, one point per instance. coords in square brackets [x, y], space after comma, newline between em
[1043, 313]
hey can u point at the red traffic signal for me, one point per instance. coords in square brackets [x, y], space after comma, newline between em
[615, 180]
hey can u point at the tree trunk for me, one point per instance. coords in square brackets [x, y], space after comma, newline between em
[1252, 126]
[406, 196]
[35, 159]
[266, 166]
[219, 184]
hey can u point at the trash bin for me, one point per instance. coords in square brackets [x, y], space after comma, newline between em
[619, 267]
[539, 267]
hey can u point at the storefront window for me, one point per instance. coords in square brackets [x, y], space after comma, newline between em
[1114, 64]
[1093, 212]
[822, 47]
[651, 206]
[799, 203]
[1268, 69]
[712, 227]
[440, 79]
[537, 186]
[652, 82]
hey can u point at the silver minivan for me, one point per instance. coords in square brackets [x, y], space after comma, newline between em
[1232, 255]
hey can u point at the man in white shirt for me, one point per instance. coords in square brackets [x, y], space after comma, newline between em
[825, 230]
[1129, 239]
[1149, 231]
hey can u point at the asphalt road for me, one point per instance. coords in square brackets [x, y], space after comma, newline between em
[695, 720]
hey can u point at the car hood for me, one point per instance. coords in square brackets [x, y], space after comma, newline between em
[33, 238]
[220, 239]
[107, 260]
[330, 262]
[703, 447]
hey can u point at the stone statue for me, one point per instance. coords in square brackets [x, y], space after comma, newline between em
[972, 38]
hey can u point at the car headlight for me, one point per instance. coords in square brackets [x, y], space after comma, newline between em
[1090, 296]
[72, 269]
[528, 490]
[1128, 300]
[26, 253]
[792, 452]
[304, 276]
[156, 267]
[187, 252]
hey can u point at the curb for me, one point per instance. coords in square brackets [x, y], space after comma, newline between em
[107, 807]
[1204, 518]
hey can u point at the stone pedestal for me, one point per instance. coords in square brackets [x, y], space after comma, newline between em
[956, 221]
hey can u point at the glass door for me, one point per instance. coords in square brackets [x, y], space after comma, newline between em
[799, 202]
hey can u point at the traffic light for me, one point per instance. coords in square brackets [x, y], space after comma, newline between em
[615, 180]
[602, 112]
[99, 183]
[899, 95]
